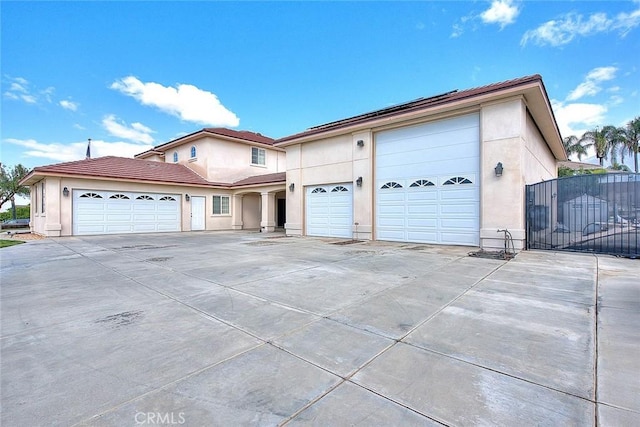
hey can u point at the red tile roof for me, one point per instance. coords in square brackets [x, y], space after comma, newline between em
[270, 178]
[126, 169]
[229, 133]
[241, 134]
[142, 170]
[417, 104]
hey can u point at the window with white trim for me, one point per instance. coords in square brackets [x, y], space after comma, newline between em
[42, 198]
[175, 157]
[221, 205]
[193, 152]
[258, 156]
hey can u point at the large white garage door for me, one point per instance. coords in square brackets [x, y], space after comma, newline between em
[109, 212]
[330, 210]
[427, 182]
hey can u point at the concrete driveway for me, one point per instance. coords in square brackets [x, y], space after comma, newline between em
[221, 329]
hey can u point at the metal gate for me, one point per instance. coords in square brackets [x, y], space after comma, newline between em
[597, 213]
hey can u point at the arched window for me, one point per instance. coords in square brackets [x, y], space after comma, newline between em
[91, 196]
[457, 180]
[422, 183]
[119, 196]
[175, 157]
[319, 190]
[391, 184]
[193, 152]
[339, 189]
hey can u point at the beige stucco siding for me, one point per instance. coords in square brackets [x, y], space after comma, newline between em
[539, 162]
[58, 216]
[220, 160]
[507, 135]
[502, 140]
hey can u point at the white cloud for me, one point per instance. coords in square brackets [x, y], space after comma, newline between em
[591, 85]
[577, 118]
[29, 99]
[502, 12]
[17, 87]
[137, 132]
[79, 126]
[187, 102]
[563, 30]
[76, 150]
[69, 105]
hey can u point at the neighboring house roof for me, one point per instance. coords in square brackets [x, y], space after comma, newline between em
[122, 168]
[579, 165]
[531, 87]
[262, 179]
[242, 136]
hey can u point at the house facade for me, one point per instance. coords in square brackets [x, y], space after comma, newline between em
[449, 169]
[213, 179]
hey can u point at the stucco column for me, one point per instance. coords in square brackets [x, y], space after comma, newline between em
[52, 225]
[236, 209]
[268, 223]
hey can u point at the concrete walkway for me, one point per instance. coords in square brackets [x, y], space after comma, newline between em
[222, 329]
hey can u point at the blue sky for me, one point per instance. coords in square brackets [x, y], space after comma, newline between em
[131, 75]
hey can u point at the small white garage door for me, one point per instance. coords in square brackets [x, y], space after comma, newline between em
[109, 212]
[427, 182]
[330, 210]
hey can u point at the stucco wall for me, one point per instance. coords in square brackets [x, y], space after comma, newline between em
[57, 220]
[224, 161]
[539, 162]
[508, 135]
[501, 198]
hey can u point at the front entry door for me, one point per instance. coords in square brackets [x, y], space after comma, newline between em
[282, 212]
[197, 213]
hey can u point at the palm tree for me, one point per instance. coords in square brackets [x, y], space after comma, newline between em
[631, 140]
[572, 145]
[604, 141]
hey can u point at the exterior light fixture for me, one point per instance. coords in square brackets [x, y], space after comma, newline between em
[360, 143]
[65, 192]
[359, 181]
[291, 187]
[498, 169]
[187, 197]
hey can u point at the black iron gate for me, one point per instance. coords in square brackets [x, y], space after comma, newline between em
[587, 213]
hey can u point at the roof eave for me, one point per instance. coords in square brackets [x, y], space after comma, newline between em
[36, 176]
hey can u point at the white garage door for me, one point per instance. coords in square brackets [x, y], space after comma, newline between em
[427, 182]
[330, 210]
[108, 212]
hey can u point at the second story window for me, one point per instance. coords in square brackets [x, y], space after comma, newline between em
[193, 152]
[175, 157]
[258, 156]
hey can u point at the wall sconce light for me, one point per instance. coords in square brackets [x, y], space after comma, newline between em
[359, 181]
[187, 197]
[498, 169]
[291, 187]
[65, 192]
[360, 143]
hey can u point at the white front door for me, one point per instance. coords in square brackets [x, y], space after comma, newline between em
[197, 213]
[330, 210]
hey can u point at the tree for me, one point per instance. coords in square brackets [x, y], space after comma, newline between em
[10, 183]
[604, 141]
[572, 145]
[631, 141]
